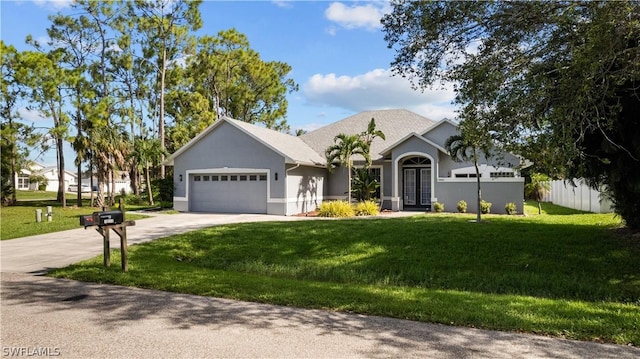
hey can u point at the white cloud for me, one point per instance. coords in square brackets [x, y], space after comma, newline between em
[377, 89]
[283, 3]
[357, 16]
[31, 115]
[54, 4]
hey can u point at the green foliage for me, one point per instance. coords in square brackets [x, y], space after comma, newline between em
[372, 133]
[342, 151]
[468, 146]
[560, 89]
[338, 209]
[439, 207]
[367, 208]
[462, 206]
[537, 188]
[559, 275]
[237, 83]
[163, 189]
[132, 199]
[364, 185]
[485, 207]
[510, 208]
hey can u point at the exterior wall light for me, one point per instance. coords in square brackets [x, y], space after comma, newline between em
[180, 178]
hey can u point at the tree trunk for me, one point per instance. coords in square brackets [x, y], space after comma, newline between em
[91, 183]
[475, 163]
[161, 121]
[539, 207]
[349, 184]
[14, 188]
[112, 196]
[149, 191]
[62, 198]
[78, 156]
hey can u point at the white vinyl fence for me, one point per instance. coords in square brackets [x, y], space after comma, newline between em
[580, 196]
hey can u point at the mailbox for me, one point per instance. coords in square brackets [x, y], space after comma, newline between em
[87, 221]
[107, 217]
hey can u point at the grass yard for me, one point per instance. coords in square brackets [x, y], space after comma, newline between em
[20, 220]
[567, 274]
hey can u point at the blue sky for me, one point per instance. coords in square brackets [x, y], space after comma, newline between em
[336, 50]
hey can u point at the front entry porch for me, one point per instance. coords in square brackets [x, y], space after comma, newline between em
[413, 183]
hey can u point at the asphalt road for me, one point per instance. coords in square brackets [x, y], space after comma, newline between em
[42, 316]
[84, 320]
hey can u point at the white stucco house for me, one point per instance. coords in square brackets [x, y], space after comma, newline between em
[48, 172]
[236, 167]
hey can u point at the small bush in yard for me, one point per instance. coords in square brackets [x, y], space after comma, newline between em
[510, 208]
[438, 207]
[462, 206]
[485, 207]
[336, 209]
[367, 208]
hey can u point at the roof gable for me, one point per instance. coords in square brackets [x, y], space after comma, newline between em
[387, 150]
[292, 148]
[441, 131]
[395, 124]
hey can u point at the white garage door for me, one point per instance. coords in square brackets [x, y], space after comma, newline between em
[228, 193]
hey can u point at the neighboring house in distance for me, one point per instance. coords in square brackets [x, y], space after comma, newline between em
[48, 172]
[122, 182]
[22, 177]
[237, 167]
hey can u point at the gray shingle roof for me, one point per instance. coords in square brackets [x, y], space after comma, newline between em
[395, 124]
[309, 148]
[291, 147]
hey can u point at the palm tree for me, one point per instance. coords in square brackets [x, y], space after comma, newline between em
[371, 133]
[345, 147]
[148, 151]
[537, 188]
[462, 149]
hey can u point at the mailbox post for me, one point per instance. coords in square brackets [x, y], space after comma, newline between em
[105, 221]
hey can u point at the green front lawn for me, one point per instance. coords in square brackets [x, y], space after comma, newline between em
[20, 220]
[569, 275]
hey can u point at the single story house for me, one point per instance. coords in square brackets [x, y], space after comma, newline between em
[49, 173]
[237, 167]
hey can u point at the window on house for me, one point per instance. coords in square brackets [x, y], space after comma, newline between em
[224, 178]
[234, 178]
[243, 177]
[253, 178]
[263, 177]
[23, 182]
[466, 175]
[205, 178]
[503, 174]
[196, 178]
[214, 178]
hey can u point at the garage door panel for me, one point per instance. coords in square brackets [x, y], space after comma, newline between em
[236, 194]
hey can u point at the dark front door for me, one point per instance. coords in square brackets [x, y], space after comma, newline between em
[417, 188]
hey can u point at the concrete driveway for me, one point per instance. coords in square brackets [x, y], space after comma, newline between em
[38, 254]
[86, 320]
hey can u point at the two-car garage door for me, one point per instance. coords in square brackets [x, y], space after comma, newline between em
[228, 192]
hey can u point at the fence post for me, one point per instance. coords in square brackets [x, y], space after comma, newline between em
[38, 215]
